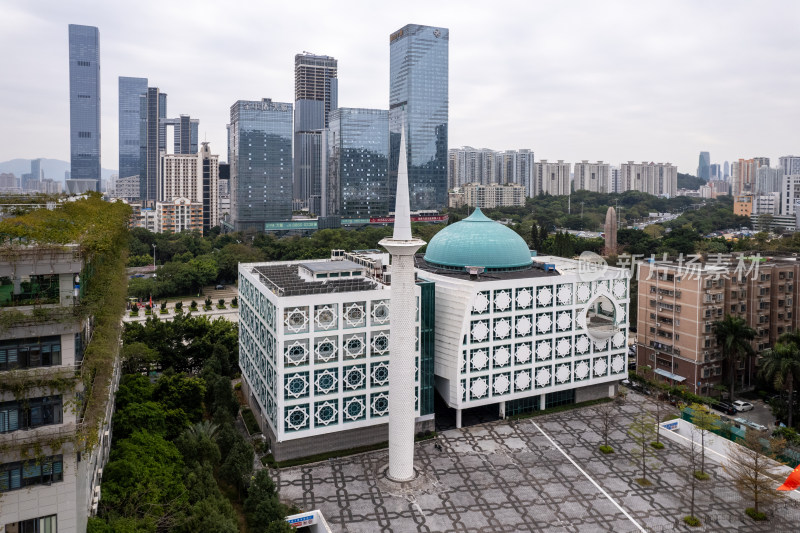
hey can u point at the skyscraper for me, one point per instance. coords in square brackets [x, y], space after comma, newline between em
[261, 163]
[130, 92]
[153, 108]
[316, 95]
[357, 163]
[418, 88]
[704, 166]
[84, 102]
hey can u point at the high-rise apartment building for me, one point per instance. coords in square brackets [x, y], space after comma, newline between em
[418, 100]
[84, 102]
[593, 177]
[484, 166]
[704, 166]
[744, 175]
[658, 179]
[678, 304]
[551, 178]
[316, 96]
[194, 178]
[356, 164]
[260, 163]
[789, 165]
[131, 91]
[494, 195]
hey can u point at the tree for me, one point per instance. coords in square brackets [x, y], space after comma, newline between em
[606, 413]
[146, 415]
[138, 357]
[755, 471]
[733, 336]
[691, 519]
[238, 464]
[143, 479]
[262, 505]
[641, 430]
[705, 421]
[179, 391]
[781, 365]
[659, 405]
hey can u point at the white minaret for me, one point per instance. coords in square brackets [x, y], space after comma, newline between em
[402, 247]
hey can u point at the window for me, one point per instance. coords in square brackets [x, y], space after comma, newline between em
[554, 399]
[29, 290]
[30, 353]
[30, 413]
[45, 524]
[26, 473]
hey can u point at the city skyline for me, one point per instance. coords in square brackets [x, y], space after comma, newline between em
[568, 95]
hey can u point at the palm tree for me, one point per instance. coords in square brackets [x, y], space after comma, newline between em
[733, 336]
[781, 365]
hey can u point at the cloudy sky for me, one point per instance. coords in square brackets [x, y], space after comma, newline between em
[611, 80]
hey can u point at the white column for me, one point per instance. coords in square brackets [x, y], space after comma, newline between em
[458, 418]
[502, 410]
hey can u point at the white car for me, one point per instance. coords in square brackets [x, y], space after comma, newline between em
[741, 406]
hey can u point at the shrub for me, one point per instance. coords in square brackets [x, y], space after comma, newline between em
[250, 421]
[208, 301]
[235, 302]
[657, 445]
[702, 476]
[692, 521]
[606, 449]
[193, 305]
[179, 306]
[164, 306]
[221, 302]
[755, 515]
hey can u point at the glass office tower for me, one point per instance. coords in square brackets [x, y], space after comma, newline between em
[130, 92]
[357, 166]
[84, 102]
[316, 95]
[418, 98]
[261, 163]
[152, 135]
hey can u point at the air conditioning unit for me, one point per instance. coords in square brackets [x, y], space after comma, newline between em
[660, 297]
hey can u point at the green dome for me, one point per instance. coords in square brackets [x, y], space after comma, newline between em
[478, 241]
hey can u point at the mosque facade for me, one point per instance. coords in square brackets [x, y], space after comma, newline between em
[493, 325]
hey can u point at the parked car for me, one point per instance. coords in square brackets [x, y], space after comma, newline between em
[742, 406]
[724, 407]
[219, 287]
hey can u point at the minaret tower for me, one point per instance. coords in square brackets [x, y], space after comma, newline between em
[402, 246]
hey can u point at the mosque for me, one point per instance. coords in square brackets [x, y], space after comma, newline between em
[494, 324]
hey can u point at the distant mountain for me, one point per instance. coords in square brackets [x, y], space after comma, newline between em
[53, 168]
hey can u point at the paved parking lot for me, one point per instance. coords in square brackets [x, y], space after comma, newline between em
[541, 474]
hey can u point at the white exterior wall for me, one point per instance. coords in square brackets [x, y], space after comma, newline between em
[266, 337]
[547, 346]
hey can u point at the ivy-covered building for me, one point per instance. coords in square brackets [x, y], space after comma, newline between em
[55, 391]
[495, 326]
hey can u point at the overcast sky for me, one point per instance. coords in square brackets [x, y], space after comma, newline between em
[611, 80]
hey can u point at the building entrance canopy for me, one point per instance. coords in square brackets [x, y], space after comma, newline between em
[669, 375]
